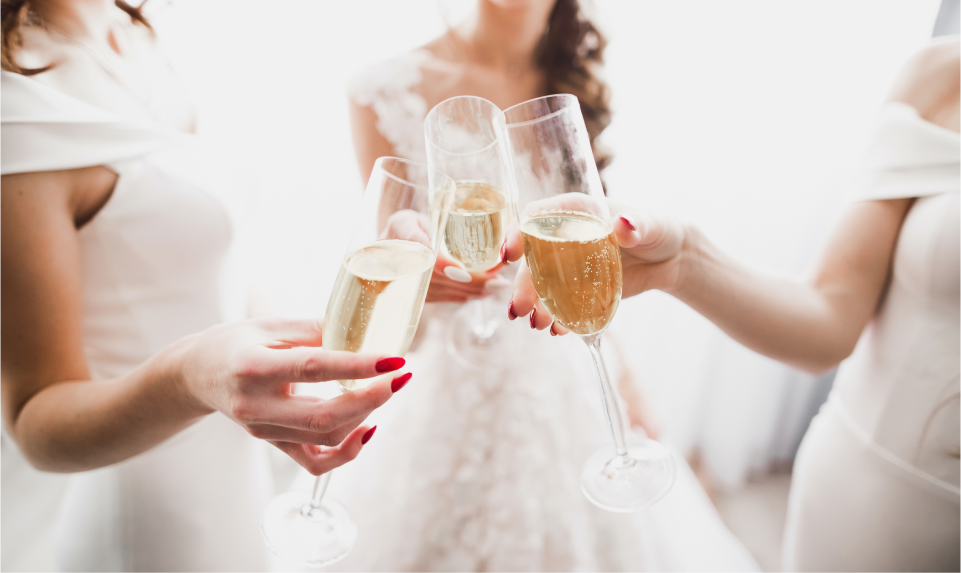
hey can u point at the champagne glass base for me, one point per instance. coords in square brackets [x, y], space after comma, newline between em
[310, 536]
[470, 341]
[610, 483]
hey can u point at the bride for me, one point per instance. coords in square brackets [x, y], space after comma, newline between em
[479, 470]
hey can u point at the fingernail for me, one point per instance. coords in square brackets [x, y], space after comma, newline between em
[497, 283]
[552, 330]
[457, 274]
[368, 435]
[399, 382]
[510, 310]
[504, 253]
[533, 314]
[629, 223]
[389, 364]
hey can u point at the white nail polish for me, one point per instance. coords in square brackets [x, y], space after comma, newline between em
[497, 283]
[457, 274]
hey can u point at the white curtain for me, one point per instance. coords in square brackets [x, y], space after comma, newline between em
[745, 117]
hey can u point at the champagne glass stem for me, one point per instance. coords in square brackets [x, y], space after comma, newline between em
[482, 317]
[611, 399]
[320, 488]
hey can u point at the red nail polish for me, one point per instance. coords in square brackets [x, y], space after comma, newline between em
[629, 223]
[368, 435]
[510, 310]
[504, 253]
[389, 364]
[399, 382]
[533, 314]
[552, 330]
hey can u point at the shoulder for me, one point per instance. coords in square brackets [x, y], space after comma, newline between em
[931, 78]
[416, 72]
[397, 75]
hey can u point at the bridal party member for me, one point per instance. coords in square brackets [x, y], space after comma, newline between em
[875, 485]
[115, 366]
[483, 460]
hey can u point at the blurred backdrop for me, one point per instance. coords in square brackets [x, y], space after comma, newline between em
[745, 117]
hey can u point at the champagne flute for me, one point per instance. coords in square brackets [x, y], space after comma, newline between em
[374, 308]
[575, 264]
[465, 139]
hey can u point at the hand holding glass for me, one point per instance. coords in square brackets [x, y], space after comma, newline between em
[465, 139]
[374, 308]
[575, 265]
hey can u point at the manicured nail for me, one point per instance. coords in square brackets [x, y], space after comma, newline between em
[510, 310]
[399, 382]
[629, 223]
[533, 314]
[496, 283]
[552, 330]
[457, 274]
[389, 364]
[368, 435]
[504, 253]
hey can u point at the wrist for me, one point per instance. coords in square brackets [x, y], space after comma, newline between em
[170, 368]
[690, 263]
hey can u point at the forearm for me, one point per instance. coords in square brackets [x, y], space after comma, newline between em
[787, 320]
[81, 425]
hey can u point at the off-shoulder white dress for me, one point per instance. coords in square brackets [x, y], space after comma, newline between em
[876, 479]
[152, 261]
[478, 469]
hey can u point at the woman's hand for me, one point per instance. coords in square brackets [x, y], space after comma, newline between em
[651, 258]
[245, 371]
[450, 282]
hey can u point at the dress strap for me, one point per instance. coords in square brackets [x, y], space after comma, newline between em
[389, 89]
[837, 404]
[908, 157]
[44, 129]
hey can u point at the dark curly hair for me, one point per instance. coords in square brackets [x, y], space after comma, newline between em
[571, 55]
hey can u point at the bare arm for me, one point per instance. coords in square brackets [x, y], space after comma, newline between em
[812, 324]
[64, 421]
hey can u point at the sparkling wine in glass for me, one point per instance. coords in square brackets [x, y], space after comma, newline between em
[465, 139]
[575, 265]
[374, 308]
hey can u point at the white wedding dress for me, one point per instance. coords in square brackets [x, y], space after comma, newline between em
[152, 261]
[478, 469]
[876, 481]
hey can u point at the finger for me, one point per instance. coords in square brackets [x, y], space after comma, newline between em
[316, 415]
[513, 247]
[446, 298]
[302, 364]
[271, 432]
[557, 329]
[318, 460]
[540, 318]
[291, 332]
[524, 297]
[626, 229]
[452, 269]
[407, 225]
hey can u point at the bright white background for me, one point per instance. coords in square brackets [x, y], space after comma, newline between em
[744, 117]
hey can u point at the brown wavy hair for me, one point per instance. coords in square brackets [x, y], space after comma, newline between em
[571, 55]
[16, 14]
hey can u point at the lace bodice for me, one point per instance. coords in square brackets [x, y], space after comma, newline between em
[390, 90]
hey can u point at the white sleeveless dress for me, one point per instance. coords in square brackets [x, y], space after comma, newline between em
[876, 482]
[478, 469]
[152, 260]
